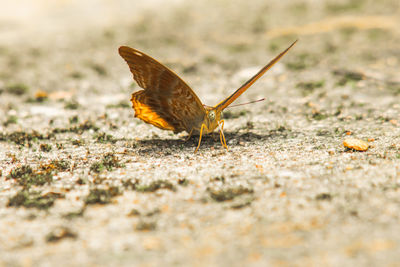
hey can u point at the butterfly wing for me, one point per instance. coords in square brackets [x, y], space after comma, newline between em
[225, 103]
[167, 102]
[142, 106]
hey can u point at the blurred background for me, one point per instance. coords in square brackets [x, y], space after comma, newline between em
[68, 48]
[208, 38]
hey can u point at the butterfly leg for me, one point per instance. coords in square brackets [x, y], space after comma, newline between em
[190, 135]
[201, 133]
[221, 134]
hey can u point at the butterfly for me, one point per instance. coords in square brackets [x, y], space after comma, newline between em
[168, 103]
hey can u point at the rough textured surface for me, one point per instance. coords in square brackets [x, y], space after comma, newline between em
[84, 183]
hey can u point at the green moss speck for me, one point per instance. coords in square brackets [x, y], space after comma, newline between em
[104, 138]
[108, 162]
[45, 147]
[33, 199]
[155, 185]
[101, 196]
[228, 193]
[17, 89]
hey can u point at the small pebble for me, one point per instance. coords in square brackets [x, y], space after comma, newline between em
[356, 144]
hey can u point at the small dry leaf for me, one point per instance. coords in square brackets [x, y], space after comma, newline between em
[356, 144]
[41, 95]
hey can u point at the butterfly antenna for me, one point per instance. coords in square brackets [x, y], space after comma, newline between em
[242, 104]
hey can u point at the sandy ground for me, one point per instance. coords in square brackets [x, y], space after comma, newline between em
[85, 183]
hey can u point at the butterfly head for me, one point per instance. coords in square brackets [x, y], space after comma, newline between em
[212, 118]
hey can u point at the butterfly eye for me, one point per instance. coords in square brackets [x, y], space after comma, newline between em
[211, 115]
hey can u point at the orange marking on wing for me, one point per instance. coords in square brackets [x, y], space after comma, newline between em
[144, 112]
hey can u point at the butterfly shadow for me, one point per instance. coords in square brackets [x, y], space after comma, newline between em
[169, 146]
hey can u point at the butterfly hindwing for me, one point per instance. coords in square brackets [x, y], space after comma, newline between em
[143, 110]
[166, 101]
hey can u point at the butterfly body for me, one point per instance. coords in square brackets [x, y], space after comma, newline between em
[210, 121]
[168, 103]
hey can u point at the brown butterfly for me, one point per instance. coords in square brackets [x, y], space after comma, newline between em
[168, 103]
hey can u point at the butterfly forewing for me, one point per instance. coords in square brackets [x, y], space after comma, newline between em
[166, 101]
[226, 102]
